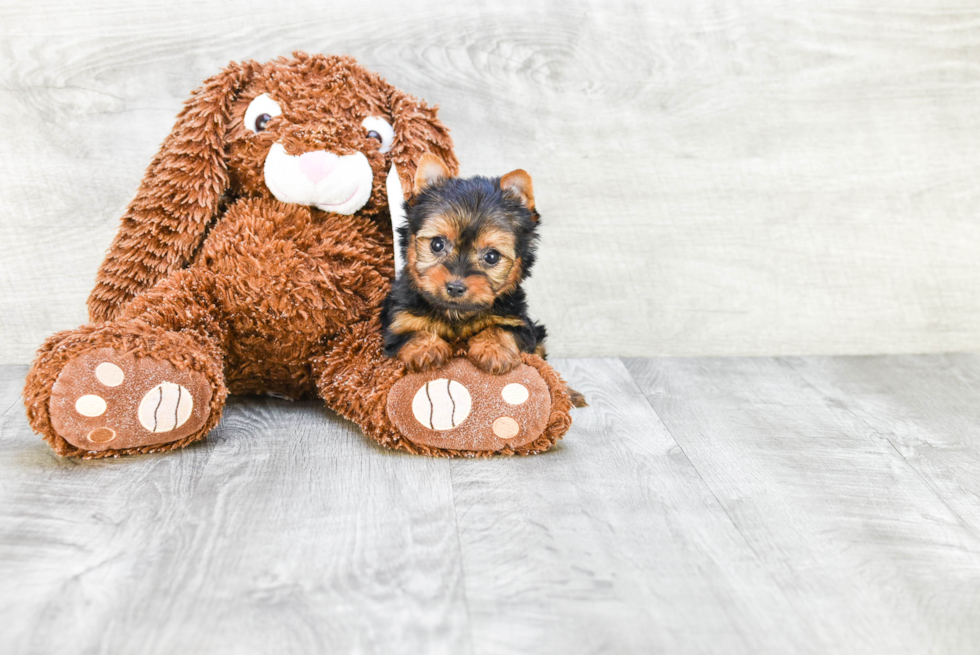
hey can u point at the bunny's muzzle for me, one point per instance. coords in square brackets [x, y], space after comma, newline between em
[333, 183]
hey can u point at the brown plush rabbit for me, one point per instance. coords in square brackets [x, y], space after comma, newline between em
[254, 259]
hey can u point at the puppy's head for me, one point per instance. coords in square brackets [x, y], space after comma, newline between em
[469, 241]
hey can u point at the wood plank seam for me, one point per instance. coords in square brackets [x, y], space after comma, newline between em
[462, 560]
[709, 488]
[874, 429]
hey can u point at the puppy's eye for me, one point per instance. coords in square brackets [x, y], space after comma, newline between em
[438, 244]
[262, 110]
[378, 128]
[491, 257]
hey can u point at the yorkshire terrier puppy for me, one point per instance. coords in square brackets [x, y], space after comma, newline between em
[467, 246]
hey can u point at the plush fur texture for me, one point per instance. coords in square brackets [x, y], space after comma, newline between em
[211, 272]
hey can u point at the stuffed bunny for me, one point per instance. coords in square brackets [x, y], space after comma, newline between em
[254, 259]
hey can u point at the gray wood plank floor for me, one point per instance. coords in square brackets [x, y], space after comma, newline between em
[768, 505]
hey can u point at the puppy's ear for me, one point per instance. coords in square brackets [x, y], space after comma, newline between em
[430, 170]
[417, 132]
[178, 199]
[519, 183]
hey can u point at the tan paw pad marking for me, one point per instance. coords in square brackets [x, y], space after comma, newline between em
[493, 424]
[165, 407]
[102, 435]
[441, 404]
[91, 405]
[109, 374]
[506, 428]
[515, 394]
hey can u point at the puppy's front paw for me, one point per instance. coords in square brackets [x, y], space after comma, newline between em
[425, 352]
[494, 351]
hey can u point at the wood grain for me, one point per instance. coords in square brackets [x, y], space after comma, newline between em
[926, 407]
[863, 545]
[805, 505]
[284, 532]
[612, 543]
[743, 177]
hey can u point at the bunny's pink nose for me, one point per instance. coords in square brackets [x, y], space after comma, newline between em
[318, 164]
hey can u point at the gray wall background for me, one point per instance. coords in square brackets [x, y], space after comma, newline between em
[741, 177]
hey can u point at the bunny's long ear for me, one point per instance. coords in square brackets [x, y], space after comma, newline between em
[178, 199]
[417, 131]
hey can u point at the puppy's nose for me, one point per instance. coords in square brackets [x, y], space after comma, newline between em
[455, 288]
[318, 164]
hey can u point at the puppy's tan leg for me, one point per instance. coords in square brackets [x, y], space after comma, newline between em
[425, 351]
[494, 351]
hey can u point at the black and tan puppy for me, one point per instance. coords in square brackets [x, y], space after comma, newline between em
[467, 246]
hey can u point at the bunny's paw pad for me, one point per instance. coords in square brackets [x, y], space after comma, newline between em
[459, 407]
[110, 399]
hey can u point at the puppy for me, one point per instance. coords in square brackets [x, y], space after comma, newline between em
[467, 246]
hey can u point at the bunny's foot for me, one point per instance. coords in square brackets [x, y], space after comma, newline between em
[119, 389]
[107, 398]
[460, 410]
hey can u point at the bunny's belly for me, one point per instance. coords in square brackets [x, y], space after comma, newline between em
[292, 278]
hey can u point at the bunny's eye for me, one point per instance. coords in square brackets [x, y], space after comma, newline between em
[262, 110]
[378, 128]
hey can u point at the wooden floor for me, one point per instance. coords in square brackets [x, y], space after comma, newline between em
[774, 505]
